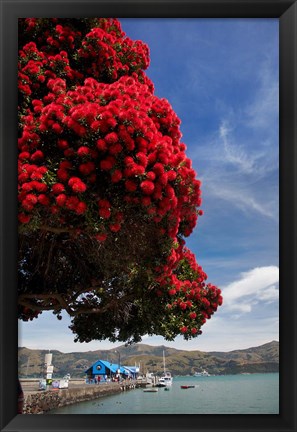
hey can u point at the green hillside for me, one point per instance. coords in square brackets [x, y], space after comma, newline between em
[264, 358]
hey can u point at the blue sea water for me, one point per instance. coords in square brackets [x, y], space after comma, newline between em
[225, 394]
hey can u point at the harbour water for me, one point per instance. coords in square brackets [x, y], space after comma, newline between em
[225, 394]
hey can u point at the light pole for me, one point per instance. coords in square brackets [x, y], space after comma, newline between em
[119, 370]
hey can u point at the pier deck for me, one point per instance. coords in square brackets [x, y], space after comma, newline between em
[41, 401]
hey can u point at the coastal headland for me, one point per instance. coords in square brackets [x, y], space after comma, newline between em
[261, 359]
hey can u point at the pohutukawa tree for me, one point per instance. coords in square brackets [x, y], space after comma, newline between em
[106, 191]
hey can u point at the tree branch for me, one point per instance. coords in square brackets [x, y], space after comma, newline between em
[56, 230]
[27, 300]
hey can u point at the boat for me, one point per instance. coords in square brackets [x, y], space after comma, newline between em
[166, 379]
[150, 390]
[187, 386]
[203, 373]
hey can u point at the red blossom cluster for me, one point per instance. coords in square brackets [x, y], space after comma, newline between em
[183, 283]
[113, 132]
[74, 52]
[96, 143]
[110, 56]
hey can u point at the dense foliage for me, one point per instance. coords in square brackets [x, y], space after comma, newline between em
[106, 191]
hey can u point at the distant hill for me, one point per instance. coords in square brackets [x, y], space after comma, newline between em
[261, 359]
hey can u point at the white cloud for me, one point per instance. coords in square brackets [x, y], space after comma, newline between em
[222, 333]
[239, 195]
[262, 113]
[234, 153]
[238, 172]
[242, 155]
[229, 333]
[258, 284]
[270, 294]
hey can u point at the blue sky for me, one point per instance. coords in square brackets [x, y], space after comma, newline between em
[221, 78]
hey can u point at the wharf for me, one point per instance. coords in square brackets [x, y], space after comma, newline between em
[42, 401]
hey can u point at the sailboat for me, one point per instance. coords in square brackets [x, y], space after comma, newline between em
[166, 378]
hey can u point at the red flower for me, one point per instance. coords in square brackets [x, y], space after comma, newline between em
[130, 185]
[57, 128]
[171, 175]
[72, 202]
[104, 212]
[116, 176]
[111, 138]
[65, 165]
[58, 188]
[40, 187]
[101, 237]
[43, 199]
[24, 218]
[54, 209]
[183, 306]
[41, 78]
[107, 164]
[32, 199]
[24, 155]
[142, 159]
[194, 330]
[147, 187]
[37, 155]
[115, 227]
[193, 315]
[77, 185]
[83, 151]
[27, 206]
[158, 169]
[151, 175]
[61, 199]
[146, 200]
[62, 175]
[81, 208]
[87, 168]
[184, 329]
[63, 144]
[101, 145]
[36, 175]
[115, 149]
[104, 203]
[23, 177]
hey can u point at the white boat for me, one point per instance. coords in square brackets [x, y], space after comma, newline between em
[203, 373]
[166, 379]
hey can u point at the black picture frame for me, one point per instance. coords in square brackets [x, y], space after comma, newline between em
[286, 12]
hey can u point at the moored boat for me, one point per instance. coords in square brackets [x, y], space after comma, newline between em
[166, 379]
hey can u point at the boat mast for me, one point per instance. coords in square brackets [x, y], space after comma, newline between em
[164, 362]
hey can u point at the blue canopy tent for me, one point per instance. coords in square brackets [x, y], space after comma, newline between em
[131, 371]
